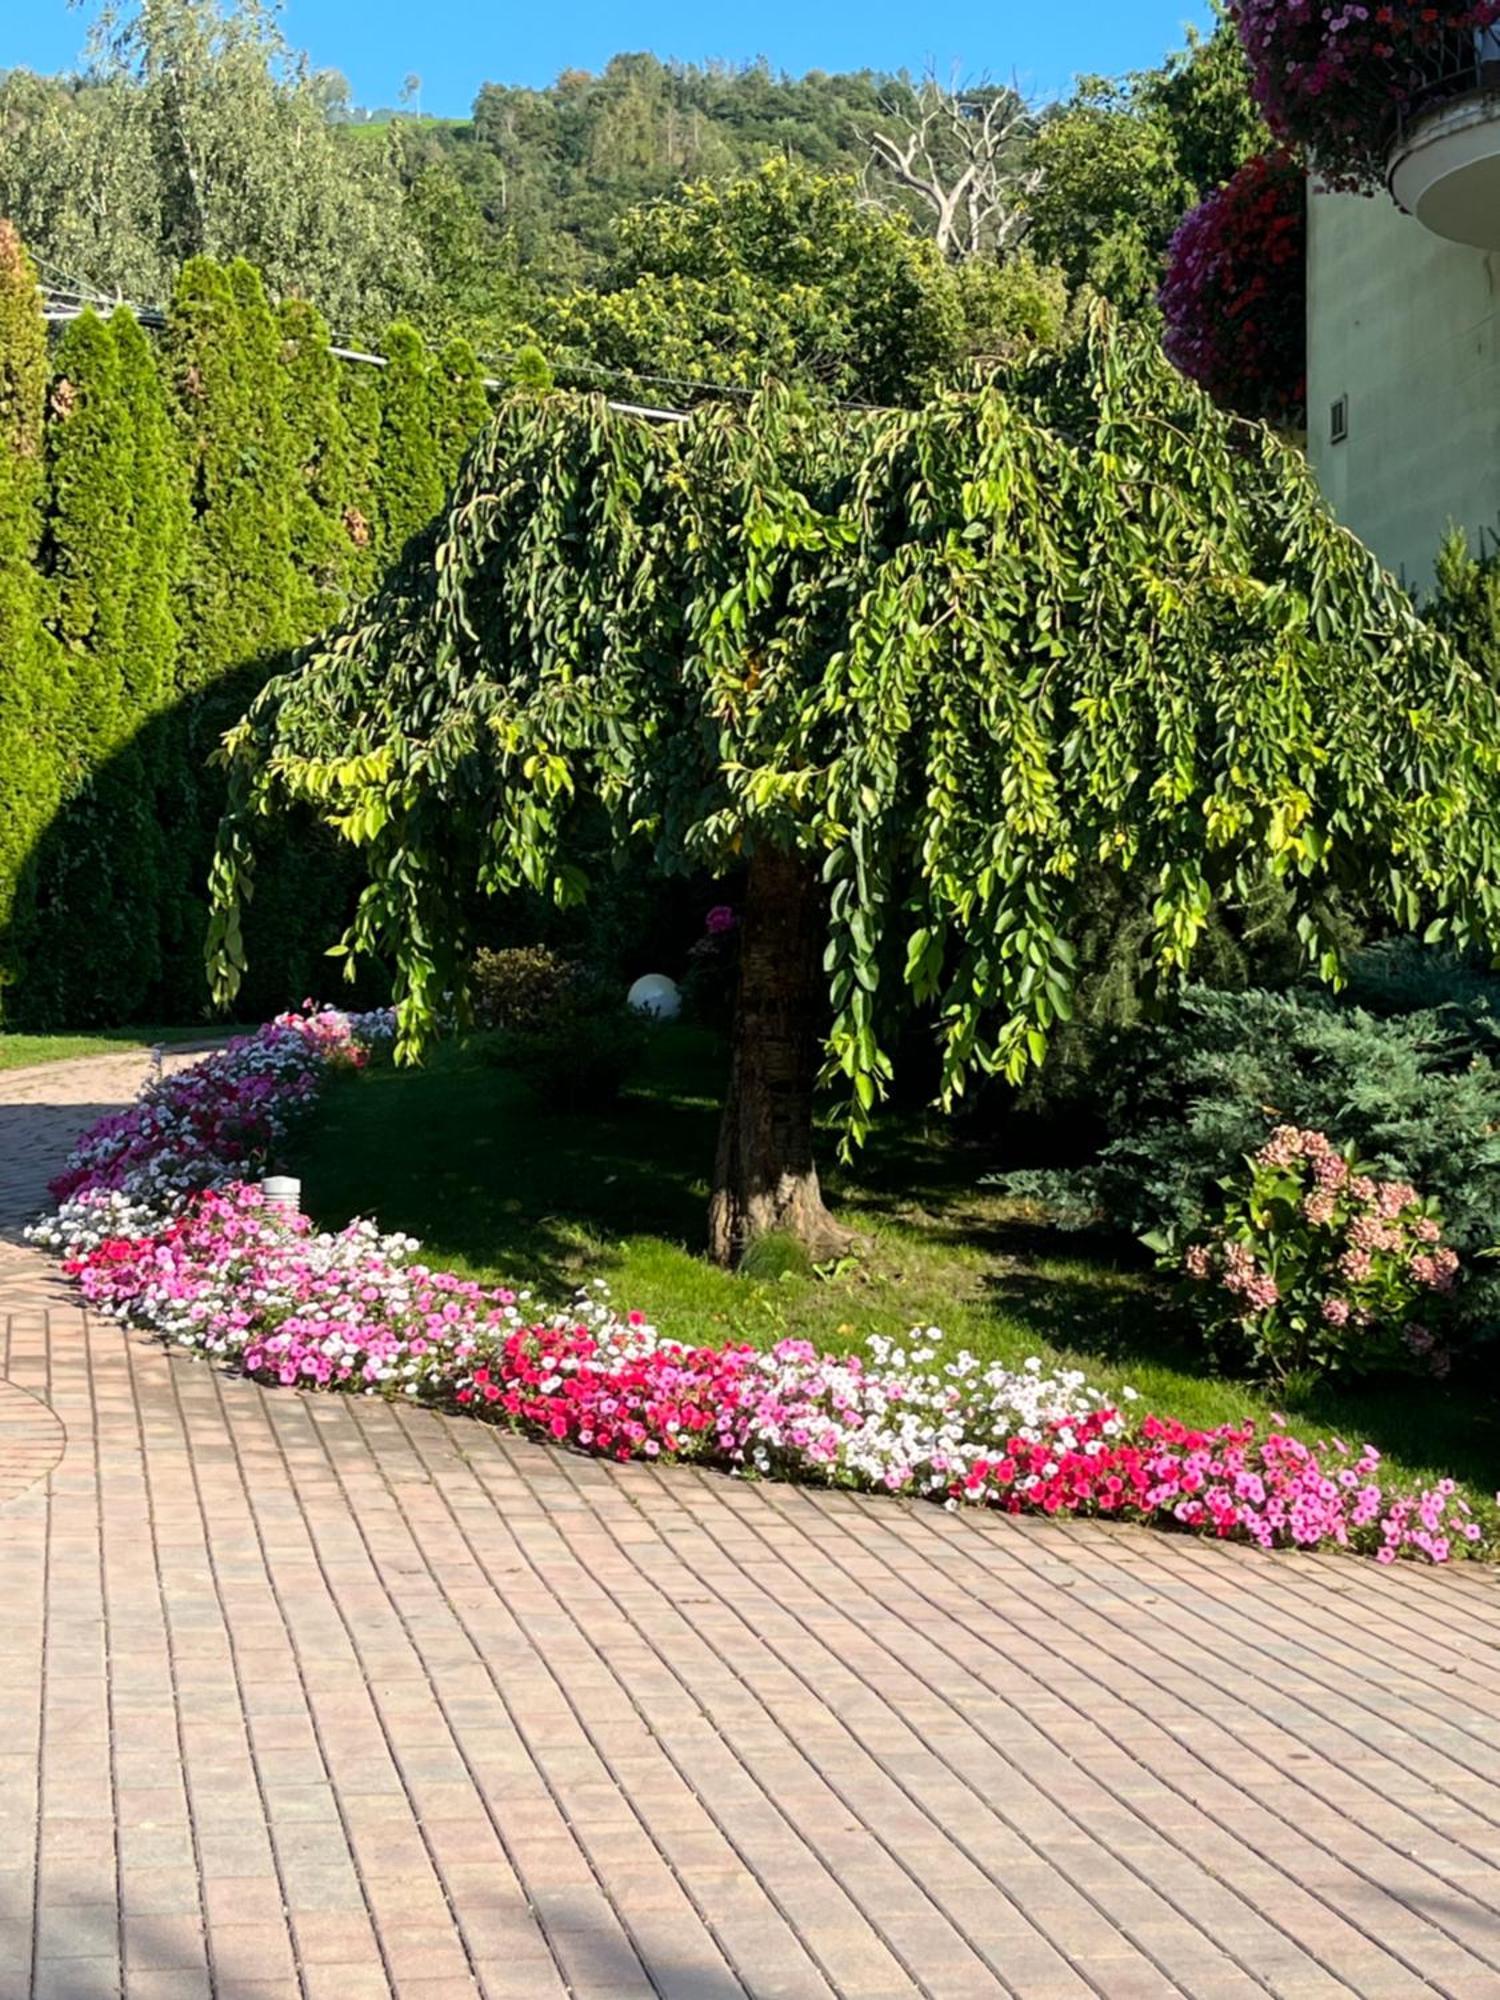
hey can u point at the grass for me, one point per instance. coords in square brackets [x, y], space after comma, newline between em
[22, 1051]
[497, 1187]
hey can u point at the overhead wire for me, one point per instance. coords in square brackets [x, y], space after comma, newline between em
[64, 298]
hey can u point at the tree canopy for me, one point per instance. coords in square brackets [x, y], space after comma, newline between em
[1119, 164]
[783, 272]
[198, 132]
[951, 660]
[192, 128]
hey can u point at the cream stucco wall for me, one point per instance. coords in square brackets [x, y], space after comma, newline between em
[1406, 326]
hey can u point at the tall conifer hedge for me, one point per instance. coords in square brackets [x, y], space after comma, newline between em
[178, 512]
[28, 700]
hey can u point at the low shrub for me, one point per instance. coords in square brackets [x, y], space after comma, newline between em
[580, 1059]
[523, 986]
[1415, 1092]
[564, 1030]
[1315, 1265]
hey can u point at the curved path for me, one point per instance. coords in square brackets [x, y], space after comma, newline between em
[328, 1699]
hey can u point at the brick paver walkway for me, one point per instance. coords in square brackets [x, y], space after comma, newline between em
[329, 1699]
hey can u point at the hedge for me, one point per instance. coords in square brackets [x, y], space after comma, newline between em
[178, 511]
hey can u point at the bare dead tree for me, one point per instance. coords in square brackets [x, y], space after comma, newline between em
[965, 153]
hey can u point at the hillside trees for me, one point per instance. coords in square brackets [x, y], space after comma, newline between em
[1119, 165]
[199, 133]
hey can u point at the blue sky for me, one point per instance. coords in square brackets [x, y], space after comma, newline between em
[455, 45]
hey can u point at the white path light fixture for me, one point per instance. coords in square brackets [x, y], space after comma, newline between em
[282, 1193]
[656, 995]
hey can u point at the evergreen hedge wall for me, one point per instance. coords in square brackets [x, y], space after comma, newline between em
[177, 511]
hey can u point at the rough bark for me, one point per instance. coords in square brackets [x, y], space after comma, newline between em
[765, 1178]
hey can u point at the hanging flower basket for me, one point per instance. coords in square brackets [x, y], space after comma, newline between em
[1234, 297]
[1334, 82]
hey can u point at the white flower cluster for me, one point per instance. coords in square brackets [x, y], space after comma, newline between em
[906, 1424]
[97, 1216]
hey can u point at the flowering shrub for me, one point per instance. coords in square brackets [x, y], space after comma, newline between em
[221, 1272]
[1235, 294]
[1316, 1264]
[1331, 80]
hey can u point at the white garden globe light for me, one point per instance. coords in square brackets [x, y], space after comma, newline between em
[282, 1193]
[653, 993]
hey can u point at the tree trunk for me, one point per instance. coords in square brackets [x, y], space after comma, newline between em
[765, 1178]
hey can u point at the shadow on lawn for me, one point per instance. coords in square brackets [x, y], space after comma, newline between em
[463, 1156]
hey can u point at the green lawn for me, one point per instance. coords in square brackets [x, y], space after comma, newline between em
[459, 1154]
[21, 1051]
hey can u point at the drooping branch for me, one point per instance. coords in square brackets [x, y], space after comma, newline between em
[960, 658]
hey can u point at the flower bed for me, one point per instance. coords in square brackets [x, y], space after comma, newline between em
[1234, 298]
[161, 1231]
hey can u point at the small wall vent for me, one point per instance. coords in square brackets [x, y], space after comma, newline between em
[1338, 420]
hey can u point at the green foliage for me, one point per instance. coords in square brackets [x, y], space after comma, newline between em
[359, 405]
[197, 132]
[775, 1255]
[1248, 942]
[959, 658]
[410, 486]
[321, 549]
[90, 468]
[1417, 1092]
[1012, 309]
[1465, 601]
[520, 986]
[28, 685]
[175, 515]
[785, 272]
[221, 353]
[194, 130]
[83, 937]
[460, 406]
[568, 1034]
[160, 514]
[1113, 191]
[1122, 162]
[565, 162]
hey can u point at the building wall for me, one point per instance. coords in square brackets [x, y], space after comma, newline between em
[1407, 327]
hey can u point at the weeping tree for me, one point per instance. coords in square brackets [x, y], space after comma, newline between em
[923, 674]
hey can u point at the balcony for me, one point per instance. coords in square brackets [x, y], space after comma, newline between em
[1444, 164]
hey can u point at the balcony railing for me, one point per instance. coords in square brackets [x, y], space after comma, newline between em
[1462, 65]
[1444, 153]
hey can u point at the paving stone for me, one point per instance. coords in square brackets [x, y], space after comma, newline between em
[337, 1700]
